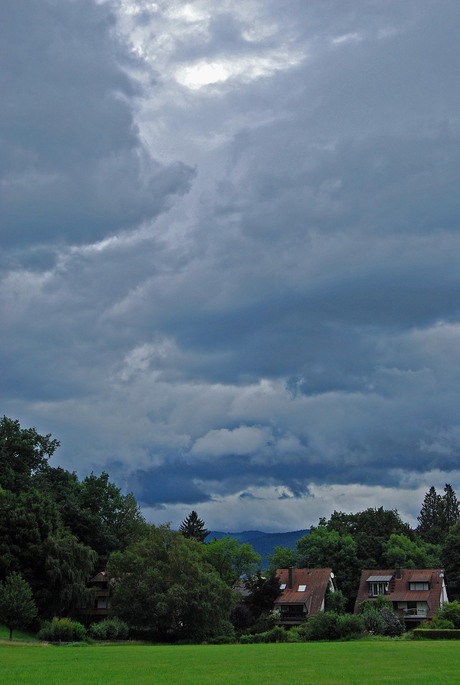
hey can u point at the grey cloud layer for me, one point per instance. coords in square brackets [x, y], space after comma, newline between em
[278, 322]
[73, 166]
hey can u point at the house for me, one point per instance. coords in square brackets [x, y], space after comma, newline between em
[97, 605]
[303, 592]
[416, 594]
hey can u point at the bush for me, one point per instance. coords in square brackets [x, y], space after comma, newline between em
[276, 634]
[323, 626]
[379, 618]
[109, 629]
[439, 624]
[350, 626]
[62, 630]
[336, 601]
[373, 621]
[451, 612]
[392, 626]
[430, 634]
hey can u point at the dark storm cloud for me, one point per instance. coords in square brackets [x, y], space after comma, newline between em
[72, 164]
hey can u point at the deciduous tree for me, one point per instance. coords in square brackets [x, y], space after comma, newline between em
[232, 559]
[164, 585]
[17, 606]
[23, 453]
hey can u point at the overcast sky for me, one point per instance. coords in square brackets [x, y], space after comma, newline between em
[229, 272]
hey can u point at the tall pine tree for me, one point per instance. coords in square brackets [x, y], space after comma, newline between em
[192, 527]
[438, 514]
[450, 507]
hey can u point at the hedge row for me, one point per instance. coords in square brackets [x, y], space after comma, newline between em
[433, 634]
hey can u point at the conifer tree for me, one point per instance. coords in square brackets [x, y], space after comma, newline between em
[192, 527]
[450, 507]
[430, 518]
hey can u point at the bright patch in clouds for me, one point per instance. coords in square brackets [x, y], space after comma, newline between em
[204, 73]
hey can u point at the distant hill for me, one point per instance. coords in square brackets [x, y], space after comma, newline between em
[263, 543]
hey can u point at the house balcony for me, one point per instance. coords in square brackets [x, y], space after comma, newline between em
[415, 613]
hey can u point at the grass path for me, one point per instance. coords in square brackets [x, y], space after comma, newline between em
[350, 663]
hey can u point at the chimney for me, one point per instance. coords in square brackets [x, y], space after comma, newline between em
[290, 577]
[398, 573]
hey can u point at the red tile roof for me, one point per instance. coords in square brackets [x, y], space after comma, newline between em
[398, 589]
[316, 582]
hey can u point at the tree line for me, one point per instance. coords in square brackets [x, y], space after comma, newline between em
[56, 531]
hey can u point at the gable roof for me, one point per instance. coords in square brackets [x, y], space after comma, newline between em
[304, 586]
[399, 586]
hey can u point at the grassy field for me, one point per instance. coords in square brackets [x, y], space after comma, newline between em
[17, 634]
[353, 663]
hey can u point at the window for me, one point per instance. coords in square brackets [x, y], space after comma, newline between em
[283, 586]
[302, 588]
[378, 588]
[378, 585]
[419, 585]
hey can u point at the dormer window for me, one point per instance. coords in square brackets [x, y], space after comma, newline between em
[378, 585]
[419, 585]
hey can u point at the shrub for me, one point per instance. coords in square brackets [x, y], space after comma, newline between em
[430, 634]
[439, 624]
[109, 629]
[62, 630]
[276, 634]
[336, 601]
[392, 626]
[323, 626]
[350, 626]
[373, 621]
[379, 618]
[451, 612]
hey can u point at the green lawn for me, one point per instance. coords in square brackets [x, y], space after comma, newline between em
[17, 634]
[353, 663]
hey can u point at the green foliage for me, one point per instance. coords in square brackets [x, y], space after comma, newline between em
[451, 560]
[68, 563]
[62, 630]
[263, 590]
[392, 626]
[110, 521]
[23, 453]
[275, 634]
[193, 528]
[438, 514]
[438, 623]
[336, 601]
[450, 612]
[109, 629]
[323, 548]
[231, 559]
[17, 606]
[379, 618]
[165, 585]
[401, 552]
[323, 626]
[282, 557]
[350, 626]
[423, 633]
[373, 621]
[370, 529]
